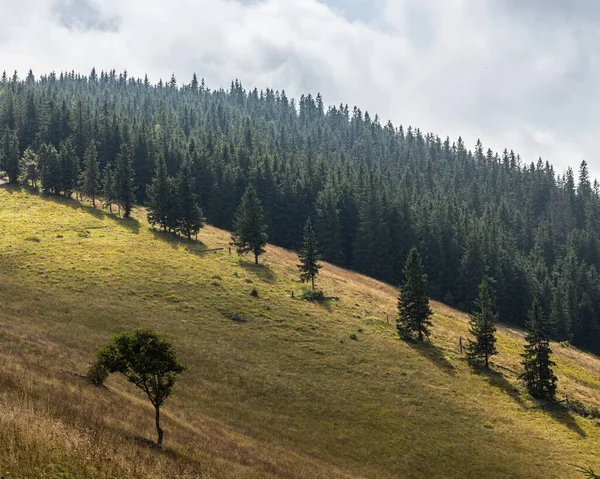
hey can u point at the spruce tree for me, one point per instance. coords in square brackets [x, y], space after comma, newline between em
[90, 177]
[249, 225]
[30, 172]
[328, 226]
[537, 366]
[69, 168]
[108, 187]
[10, 156]
[309, 256]
[159, 193]
[49, 165]
[414, 312]
[189, 214]
[123, 181]
[482, 325]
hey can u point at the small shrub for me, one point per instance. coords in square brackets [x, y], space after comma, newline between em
[97, 374]
[216, 276]
[488, 425]
[33, 239]
[254, 292]
[84, 234]
[360, 330]
[314, 296]
[354, 337]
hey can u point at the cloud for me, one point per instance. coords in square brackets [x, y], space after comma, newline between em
[519, 75]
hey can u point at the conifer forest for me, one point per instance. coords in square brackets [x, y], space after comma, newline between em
[373, 190]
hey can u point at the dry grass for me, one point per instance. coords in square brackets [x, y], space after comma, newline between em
[286, 393]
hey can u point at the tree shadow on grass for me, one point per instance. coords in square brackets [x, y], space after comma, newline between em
[432, 353]
[498, 380]
[193, 246]
[131, 224]
[262, 271]
[560, 414]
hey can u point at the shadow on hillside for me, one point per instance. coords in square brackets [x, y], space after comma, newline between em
[131, 224]
[193, 246]
[12, 188]
[498, 380]
[560, 414]
[262, 271]
[433, 354]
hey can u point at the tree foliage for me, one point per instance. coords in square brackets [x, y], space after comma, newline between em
[309, 256]
[537, 363]
[148, 361]
[249, 226]
[482, 326]
[414, 312]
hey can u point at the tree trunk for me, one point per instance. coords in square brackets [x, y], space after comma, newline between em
[159, 431]
[93, 200]
[255, 258]
[420, 335]
[313, 282]
[487, 362]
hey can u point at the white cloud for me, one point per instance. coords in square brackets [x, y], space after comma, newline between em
[476, 68]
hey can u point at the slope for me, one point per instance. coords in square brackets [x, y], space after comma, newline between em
[276, 387]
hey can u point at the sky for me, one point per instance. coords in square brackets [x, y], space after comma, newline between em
[522, 75]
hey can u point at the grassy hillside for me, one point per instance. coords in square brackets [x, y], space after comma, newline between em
[275, 385]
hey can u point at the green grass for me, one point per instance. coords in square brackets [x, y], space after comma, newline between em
[275, 385]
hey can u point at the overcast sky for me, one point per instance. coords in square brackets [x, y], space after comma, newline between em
[517, 74]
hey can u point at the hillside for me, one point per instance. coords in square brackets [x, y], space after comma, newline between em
[275, 385]
[374, 189]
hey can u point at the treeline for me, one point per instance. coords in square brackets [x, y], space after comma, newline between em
[374, 190]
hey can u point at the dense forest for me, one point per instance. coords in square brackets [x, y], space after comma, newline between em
[373, 190]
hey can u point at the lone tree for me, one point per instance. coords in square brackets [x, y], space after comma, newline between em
[90, 176]
[482, 325]
[309, 256]
[249, 225]
[413, 303]
[146, 360]
[538, 375]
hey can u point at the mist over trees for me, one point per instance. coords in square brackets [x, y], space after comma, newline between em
[374, 189]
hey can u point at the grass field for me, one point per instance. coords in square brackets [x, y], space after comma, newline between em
[275, 385]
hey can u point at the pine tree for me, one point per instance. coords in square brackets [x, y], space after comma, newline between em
[30, 172]
[49, 165]
[309, 256]
[537, 374]
[160, 192]
[108, 187]
[10, 156]
[189, 217]
[482, 325]
[328, 225]
[90, 177]
[413, 302]
[249, 225]
[69, 168]
[123, 181]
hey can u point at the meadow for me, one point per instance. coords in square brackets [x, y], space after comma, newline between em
[276, 386]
